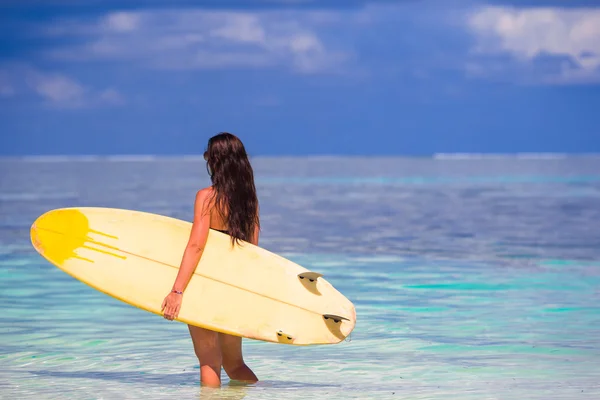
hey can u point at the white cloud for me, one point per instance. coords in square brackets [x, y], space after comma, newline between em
[111, 96]
[121, 22]
[6, 88]
[6, 91]
[548, 45]
[570, 35]
[196, 39]
[54, 89]
[241, 28]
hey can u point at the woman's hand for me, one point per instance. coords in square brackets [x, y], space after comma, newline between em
[171, 305]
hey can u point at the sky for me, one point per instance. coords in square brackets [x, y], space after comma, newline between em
[299, 77]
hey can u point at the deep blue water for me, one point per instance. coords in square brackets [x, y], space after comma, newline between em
[473, 278]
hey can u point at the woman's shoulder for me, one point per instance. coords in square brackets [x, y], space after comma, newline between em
[204, 197]
[205, 192]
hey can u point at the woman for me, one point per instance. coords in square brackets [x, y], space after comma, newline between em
[230, 205]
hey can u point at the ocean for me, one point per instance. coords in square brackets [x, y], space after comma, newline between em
[473, 278]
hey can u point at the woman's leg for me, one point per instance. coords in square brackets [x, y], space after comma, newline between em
[208, 351]
[233, 361]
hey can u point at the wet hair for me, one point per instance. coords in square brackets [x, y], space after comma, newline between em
[234, 192]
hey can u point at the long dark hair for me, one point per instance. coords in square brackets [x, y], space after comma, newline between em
[233, 183]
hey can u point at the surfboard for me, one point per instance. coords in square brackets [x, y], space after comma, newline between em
[243, 290]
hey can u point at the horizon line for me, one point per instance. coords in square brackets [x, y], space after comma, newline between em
[199, 157]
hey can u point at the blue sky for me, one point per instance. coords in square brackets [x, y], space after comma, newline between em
[299, 77]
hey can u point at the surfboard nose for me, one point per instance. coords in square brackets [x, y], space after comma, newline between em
[57, 234]
[35, 242]
[34, 230]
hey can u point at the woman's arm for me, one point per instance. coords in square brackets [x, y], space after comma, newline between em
[191, 255]
[196, 242]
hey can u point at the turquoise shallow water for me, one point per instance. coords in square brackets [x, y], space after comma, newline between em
[472, 279]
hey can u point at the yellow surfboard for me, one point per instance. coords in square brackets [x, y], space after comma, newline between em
[240, 290]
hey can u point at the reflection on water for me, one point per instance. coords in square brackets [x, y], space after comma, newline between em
[472, 279]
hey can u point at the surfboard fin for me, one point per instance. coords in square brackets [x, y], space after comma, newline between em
[311, 276]
[284, 337]
[335, 318]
